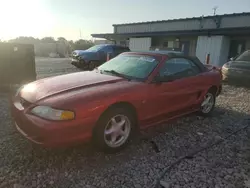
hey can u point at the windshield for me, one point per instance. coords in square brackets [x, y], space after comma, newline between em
[94, 48]
[245, 56]
[131, 66]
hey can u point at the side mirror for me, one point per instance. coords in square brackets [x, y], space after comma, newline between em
[157, 79]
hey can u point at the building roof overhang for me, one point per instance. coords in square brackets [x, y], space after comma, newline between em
[203, 32]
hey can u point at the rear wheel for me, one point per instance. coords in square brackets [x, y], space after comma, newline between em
[207, 105]
[114, 130]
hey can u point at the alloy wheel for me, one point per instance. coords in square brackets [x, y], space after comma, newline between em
[117, 131]
[208, 103]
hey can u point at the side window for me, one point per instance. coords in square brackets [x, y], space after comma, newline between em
[178, 68]
[107, 49]
[117, 50]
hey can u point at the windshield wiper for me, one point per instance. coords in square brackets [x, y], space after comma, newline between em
[116, 73]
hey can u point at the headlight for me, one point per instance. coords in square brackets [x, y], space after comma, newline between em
[226, 65]
[49, 113]
[18, 90]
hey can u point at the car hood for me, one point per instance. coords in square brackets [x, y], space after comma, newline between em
[239, 65]
[47, 87]
[83, 53]
[77, 52]
[88, 55]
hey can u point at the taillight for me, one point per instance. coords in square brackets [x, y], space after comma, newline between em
[218, 69]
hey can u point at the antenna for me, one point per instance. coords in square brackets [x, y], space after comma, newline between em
[80, 33]
[215, 9]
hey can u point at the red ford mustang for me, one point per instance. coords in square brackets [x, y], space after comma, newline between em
[108, 104]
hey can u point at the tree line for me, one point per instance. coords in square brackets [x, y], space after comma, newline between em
[73, 45]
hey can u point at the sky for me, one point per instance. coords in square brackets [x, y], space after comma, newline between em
[75, 19]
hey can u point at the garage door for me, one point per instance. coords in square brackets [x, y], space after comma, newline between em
[139, 44]
[216, 46]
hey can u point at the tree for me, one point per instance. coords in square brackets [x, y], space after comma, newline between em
[70, 45]
[25, 40]
[61, 39]
[48, 40]
[82, 44]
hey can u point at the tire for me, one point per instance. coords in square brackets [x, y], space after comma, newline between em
[92, 65]
[104, 132]
[75, 64]
[210, 103]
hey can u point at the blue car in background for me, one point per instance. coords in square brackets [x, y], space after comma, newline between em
[96, 55]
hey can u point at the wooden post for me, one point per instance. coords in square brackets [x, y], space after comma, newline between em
[108, 57]
[207, 59]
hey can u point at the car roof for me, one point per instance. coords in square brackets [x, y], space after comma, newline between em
[112, 45]
[165, 52]
[170, 54]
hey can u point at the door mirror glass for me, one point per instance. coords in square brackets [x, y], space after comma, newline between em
[158, 79]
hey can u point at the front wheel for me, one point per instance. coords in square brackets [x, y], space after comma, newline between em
[207, 105]
[92, 65]
[114, 130]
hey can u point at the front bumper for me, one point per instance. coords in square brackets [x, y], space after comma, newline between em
[75, 61]
[80, 64]
[51, 133]
[234, 75]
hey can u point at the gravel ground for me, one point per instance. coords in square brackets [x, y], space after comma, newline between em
[139, 165]
[46, 67]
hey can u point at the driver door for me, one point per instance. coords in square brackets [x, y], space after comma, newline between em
[104, 52]
[175, 91]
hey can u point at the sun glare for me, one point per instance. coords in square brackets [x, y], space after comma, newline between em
[24, 18]
[29, 88]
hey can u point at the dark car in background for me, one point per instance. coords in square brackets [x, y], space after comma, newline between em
[96, 55]
[237, 69]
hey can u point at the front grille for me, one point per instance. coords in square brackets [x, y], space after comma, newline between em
[75, 57]
[24, 103]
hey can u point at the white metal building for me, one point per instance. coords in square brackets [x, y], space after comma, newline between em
[221, 36]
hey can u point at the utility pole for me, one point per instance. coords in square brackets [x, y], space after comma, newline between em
[215, 10]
